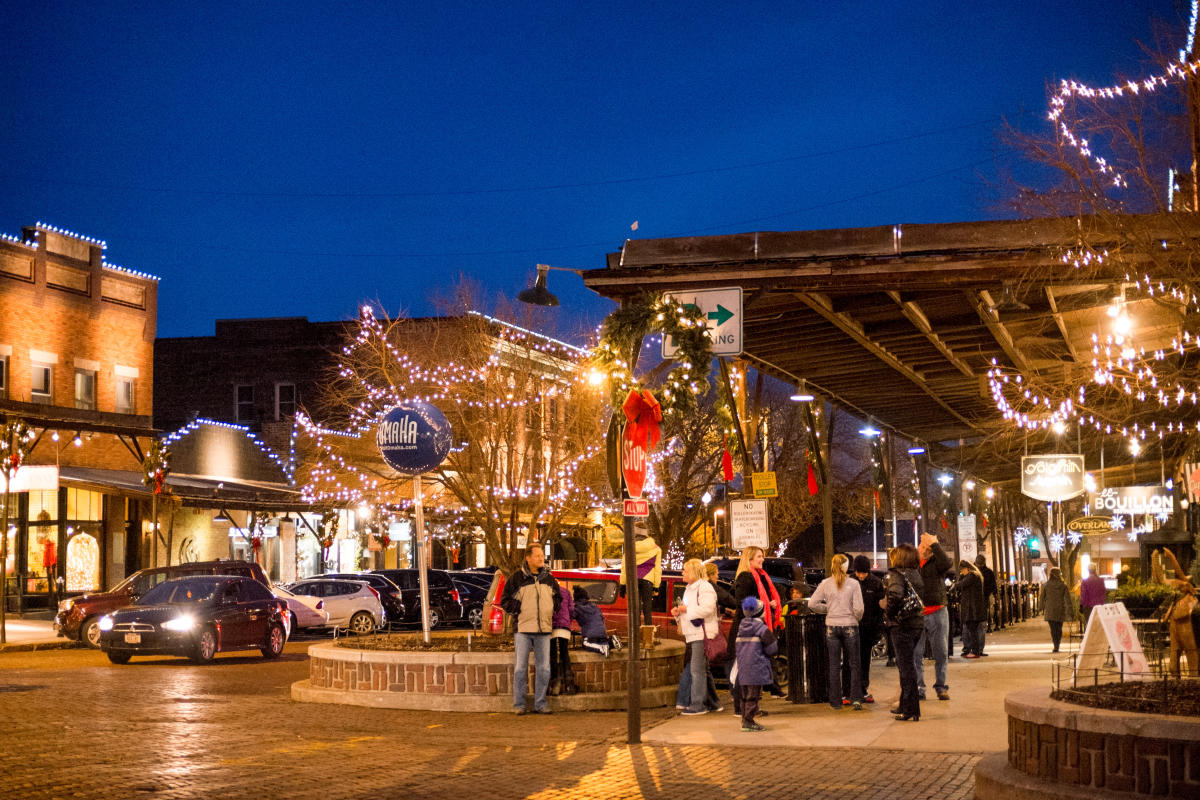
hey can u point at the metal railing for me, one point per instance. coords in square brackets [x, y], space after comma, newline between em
[1117, 685]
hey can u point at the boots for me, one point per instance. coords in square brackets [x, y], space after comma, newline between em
[569, 686]
[555, 687]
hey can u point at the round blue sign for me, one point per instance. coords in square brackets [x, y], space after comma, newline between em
[413, 437]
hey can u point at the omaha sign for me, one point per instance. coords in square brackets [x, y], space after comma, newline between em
[1054, 477]
[413, 437]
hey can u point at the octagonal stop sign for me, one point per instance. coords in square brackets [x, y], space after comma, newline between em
[633, 462]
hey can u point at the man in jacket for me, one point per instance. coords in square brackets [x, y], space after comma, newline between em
[871, 624]
[934, 566]
[531, 596]
[989, 590]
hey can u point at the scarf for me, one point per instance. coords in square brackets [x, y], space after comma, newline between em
[771, 613]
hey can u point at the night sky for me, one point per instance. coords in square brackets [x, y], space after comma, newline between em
[298, 158]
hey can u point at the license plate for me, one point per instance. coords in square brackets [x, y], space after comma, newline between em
[133, 638]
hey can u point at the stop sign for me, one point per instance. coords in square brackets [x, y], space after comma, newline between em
[633, 462]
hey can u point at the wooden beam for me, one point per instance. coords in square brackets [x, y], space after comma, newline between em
[983, 304]
[1060, 322]
[845, 323]
[913, 313]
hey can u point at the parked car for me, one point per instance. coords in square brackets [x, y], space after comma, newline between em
[445, 605]
[784, 572]
[304, 611]
[350, 604]
[78, 617]
[196, 618]
[389, 593]
[472, 595]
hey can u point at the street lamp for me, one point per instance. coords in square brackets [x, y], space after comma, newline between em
[871, 433]
[706, 498]
[538, 294]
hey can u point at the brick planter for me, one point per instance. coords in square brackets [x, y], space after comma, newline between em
[1058, 749]
[460, 681]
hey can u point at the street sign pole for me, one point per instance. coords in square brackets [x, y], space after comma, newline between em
[422, 554]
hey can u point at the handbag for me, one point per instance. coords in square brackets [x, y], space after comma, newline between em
[714, 647]
[912, 606]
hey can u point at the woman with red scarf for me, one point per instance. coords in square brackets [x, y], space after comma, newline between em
[751, 580]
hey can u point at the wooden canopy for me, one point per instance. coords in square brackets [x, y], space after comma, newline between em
[900, 324]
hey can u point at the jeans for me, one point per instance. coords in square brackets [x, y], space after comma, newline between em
[539, 643]
[696, 675]
[843, 640]
[867, 637]
[972, 637]
[1056, 634]
[904, 640]
[937, 629]
[683, 695]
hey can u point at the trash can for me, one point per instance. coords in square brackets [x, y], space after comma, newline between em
[808, 660]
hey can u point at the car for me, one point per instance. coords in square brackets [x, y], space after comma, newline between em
[389, 593]
[304, 611]
[196, 617]
[445, 605]
[77, 617]
[354, 605]
[472, 596]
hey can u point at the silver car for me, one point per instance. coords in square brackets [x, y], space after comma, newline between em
[353, 605]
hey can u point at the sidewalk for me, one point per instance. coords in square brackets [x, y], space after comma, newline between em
[28, 633]
[971, 721]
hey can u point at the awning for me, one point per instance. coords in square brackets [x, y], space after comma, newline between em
[192, 490]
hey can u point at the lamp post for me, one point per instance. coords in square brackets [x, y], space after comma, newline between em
[706, 498]
[871, 433]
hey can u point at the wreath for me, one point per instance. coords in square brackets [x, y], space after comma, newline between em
[15, 444]
[621, 336]
[328, 531]
[155, 465]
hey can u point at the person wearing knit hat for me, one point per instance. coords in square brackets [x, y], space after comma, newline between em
[755, 645]
[871, 624]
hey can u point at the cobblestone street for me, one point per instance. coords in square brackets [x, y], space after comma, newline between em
[74, 726]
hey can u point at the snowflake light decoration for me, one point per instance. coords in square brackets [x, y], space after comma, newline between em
[1056, 542]
[1020, 535]
[1074, 537]
[1118, 523]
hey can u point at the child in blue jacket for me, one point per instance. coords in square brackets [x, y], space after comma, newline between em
[755, 645]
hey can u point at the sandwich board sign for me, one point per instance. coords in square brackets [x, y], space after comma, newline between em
[1110, 629]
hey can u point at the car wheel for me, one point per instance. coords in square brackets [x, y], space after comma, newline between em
[89, 632]
[475, 617]
[118, 658]
[295, 623]
[435, 619]
[362, 622]
[206, 646]
[275, 641]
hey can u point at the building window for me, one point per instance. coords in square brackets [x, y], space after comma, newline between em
[42, 376]
[243, 404]
[125, 396]
[85, 388]
[3, 377]
[285, 401]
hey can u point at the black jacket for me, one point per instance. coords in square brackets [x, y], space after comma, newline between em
[933, 574]
[872, 593]
[895, 591]
[971, 604]
[989, 580]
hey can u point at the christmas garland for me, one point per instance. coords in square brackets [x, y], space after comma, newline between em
[621, 336]
[328, 531]
[155, 465]
[14, 446]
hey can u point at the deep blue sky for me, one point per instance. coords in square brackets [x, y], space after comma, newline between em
[298, 158]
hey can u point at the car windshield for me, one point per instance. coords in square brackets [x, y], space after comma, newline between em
[190, 591]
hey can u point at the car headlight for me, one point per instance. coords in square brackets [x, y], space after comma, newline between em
[105, 623]
[66, 605]
[184, 623]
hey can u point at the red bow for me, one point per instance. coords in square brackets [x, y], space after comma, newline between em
[158, 481]
[644, 415]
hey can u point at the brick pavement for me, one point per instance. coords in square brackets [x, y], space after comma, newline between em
[74, 726]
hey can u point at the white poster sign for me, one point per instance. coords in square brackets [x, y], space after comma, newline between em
[968, 542]
[29, 478]
[1110, 629]
[748, 524]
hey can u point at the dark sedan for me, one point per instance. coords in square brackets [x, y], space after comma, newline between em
[197, 618]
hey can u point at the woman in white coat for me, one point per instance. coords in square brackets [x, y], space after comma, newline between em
[697, 618]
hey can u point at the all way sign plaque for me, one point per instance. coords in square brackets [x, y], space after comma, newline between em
[723, 310]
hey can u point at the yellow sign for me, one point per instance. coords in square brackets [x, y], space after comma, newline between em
[764, 484]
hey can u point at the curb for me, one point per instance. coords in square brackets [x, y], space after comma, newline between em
[27, 647]
[995, 779]
[304, 692]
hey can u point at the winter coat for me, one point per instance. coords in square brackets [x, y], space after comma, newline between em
[933, 575]
[895, 591]
[1092, 591]
[755, 645]
[842, 607]
[872, 593]
[648, 557]
[532, 599]
[1056, 601]
[700, 620]
[591, 621]
[971, 604]
[724, 598]
[562, 614]
[989, 580]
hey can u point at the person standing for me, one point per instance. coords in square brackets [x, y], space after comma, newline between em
[871, 624]
[1056, 605]
[934, 564]
[751, 580]
[989, 589]
[697, 618]
[531, 595]
[841, 600]
[972, 610]
[647, 558]
[755, 646]
[1092, 593]
[905, 628]
[562, 679]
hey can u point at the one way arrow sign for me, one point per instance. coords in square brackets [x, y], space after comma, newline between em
[723, 309]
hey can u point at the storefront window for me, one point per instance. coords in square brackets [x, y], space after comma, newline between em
[41, 556]
[83, 506]
[43, 506]
[83, 563]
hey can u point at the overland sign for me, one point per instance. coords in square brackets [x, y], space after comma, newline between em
[1052, 477]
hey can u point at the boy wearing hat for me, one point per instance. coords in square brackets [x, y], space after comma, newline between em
[755, 645]
[871, 624]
